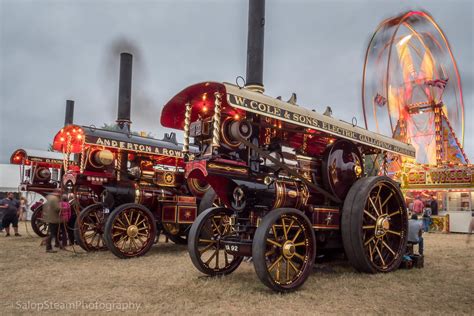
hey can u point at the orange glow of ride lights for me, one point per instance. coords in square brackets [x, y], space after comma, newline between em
[204, 109]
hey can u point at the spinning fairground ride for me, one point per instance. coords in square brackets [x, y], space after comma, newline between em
[412, 91]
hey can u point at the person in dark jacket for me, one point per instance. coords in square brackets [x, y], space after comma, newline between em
[10, 215]
[434, 206]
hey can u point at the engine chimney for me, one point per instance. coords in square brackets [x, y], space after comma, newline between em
[125, 92]
[69, 117]
[255, 41]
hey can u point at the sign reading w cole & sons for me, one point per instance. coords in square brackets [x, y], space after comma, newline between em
[311, 121]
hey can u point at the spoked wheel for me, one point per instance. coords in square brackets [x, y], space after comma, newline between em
[374, 225]
[89, 228]
[205, 248]
[39, 226]
[284, 249]
[130, 231]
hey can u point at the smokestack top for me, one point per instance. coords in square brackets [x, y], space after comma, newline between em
[125, 92]
[69, 116]
[255, 44]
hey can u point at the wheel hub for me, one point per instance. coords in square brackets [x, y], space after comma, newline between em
[382, 225]
[289, 249]
[132, 231]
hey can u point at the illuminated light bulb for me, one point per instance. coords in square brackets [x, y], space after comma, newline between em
[61, 139]
[204, 109]
[236, 117]
[204, 97]
[79, 136]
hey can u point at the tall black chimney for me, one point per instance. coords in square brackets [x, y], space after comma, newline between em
[125, 92]
[69, 117]
[256, 32]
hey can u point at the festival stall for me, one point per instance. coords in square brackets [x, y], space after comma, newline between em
[453, 189]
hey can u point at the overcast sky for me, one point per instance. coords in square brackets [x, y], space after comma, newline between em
[57, 50]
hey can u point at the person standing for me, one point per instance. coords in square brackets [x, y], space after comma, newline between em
[22, 209]
[10, 217]
[65, 215]
[410, 207]
[427, 217]
[418, 206]
[52, 217]
[434, 206]
[415, 233]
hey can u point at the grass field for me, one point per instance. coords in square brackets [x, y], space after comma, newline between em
[165, 282]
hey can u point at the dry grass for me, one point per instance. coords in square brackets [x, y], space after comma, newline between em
[165, 281]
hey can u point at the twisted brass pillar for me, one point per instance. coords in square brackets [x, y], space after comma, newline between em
[216, 121]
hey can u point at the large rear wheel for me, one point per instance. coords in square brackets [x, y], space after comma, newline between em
[39, 226]
[284, 249]
[374, 225]
[205, 248]
[89, 228]
[130, 231]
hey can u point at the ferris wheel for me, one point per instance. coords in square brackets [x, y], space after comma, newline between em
[411, 88]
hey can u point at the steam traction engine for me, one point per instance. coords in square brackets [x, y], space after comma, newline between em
[40, 172]
[140, 179]
[291, 182]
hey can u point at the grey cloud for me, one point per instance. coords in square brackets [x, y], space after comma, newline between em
[54, 50]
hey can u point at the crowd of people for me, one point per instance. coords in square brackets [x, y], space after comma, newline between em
[57, 213]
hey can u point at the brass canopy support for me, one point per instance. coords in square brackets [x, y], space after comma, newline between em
[216, 120]
[187, 122]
